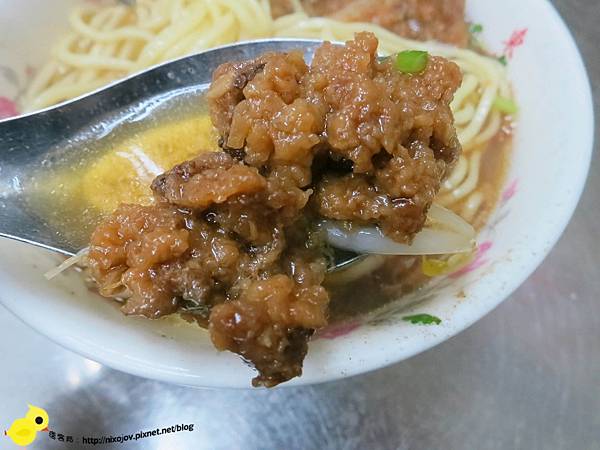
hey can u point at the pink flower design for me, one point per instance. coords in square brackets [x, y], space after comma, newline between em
[517, 39]
[8, 108]
[337, 330]
[510, 191]
[477, 262]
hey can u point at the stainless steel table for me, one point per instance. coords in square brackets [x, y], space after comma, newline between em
[525, 377]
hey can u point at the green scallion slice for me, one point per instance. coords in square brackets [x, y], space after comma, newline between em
[423, 319]
[475, 28]
[505, 105]
[412, 61]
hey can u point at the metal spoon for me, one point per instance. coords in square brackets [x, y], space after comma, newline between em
[33, 140]
[27, 141]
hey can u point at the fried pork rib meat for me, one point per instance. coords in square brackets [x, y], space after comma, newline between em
[395, 131]
[229, 239]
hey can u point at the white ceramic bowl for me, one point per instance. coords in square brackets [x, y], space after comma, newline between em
[549, 166]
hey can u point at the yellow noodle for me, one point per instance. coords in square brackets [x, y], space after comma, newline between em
[67, 90]
[485, 135]
[472, 205]
[84, 61]
[466, 135]
[98, 49]
[464, 116]
[127, 32]
[153, 52]
[468, 87]
[457, 176]
[467, 186]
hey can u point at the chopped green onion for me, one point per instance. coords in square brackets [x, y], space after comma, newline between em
[412, 61]
[503, 60]
[476, 28]
[422, 319]
[505, 105]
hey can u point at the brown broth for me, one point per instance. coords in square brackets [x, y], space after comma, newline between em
[495, 162]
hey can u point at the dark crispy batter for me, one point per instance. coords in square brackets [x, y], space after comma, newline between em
[128, 248]
[211, 178]
[270, 324]
[227, 92]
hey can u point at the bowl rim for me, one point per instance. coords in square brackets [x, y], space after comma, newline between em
[149, 370]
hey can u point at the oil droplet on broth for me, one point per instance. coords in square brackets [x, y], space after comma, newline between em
[73, 198]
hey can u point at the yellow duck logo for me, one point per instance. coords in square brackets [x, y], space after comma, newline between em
[23, 431]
